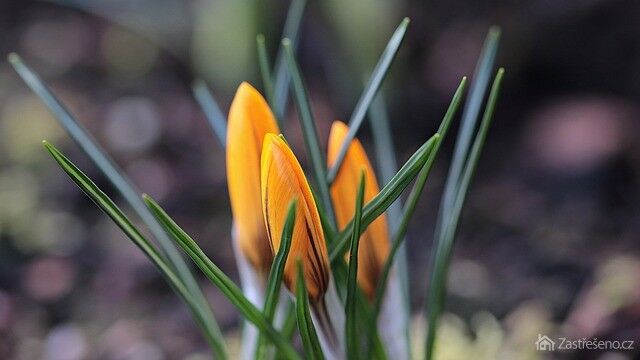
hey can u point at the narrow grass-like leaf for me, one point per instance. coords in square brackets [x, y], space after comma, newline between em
[116, 176]
[289, 325]
[265, 72]
[472, 107]
[309, 131]
[389, 193]
[228, 288]
[327, 226]
[121, 220]
[310, 342]
[211, 110]
[468, 125]
[351, 333]
[478, 144]
[416, 191]
[445, 239]
[413, 198]
[274, 281]
[385, 151]
[369, 93]
[388, 166]
[282, 76]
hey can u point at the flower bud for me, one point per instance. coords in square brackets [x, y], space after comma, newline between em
[283, 181]
[374, 242]
[250, 119]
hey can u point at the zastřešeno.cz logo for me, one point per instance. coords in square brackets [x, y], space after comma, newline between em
[545, 343]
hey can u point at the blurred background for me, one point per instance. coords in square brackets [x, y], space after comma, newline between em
[550, 238]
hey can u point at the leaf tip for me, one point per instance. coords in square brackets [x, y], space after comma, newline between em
[495, 31]
[148, 200]
[281, 136]
[13, 58]
[47, 145]
[197, 83]
[293, 204]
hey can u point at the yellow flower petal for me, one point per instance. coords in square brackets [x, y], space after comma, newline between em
[374, 242]
[282, 181]
[250, 119]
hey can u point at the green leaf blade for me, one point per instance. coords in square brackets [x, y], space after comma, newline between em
[265, 72]
[228, 288]
[369, 93]
[388, 166]
[274, 281]
[477, 92]
[116, 176]
[385, 151]
[117, 216]
[469, 120]
[413, 198]
[211, 109]
[421, 179]
[291, 31]
[449, 218]
[310, 342]
[353, 342]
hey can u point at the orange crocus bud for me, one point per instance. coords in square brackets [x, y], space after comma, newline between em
[250, 119]
[283, 181]
[374, 242]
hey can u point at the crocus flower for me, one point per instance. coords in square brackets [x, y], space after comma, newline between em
[250, 119]
[283, 181]
[374, 242]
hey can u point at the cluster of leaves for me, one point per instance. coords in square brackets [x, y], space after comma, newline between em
[165, 254]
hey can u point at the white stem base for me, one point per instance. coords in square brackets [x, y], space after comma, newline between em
[253, 288]
[329, 320]
[393, 324]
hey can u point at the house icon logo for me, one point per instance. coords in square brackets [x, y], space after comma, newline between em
[544, 343]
